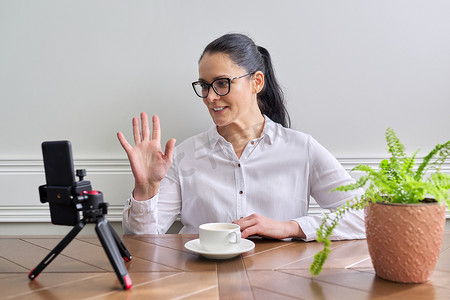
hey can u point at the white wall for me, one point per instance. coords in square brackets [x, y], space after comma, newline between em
[79, 70]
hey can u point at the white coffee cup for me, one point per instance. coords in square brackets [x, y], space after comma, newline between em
[219, 237]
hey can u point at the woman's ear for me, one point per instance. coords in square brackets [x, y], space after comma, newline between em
[258, 82]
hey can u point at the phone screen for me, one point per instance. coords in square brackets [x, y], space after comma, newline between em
[60, 177]
[58, 163]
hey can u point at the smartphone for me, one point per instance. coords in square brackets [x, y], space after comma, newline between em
[58, 163]
[60, 178]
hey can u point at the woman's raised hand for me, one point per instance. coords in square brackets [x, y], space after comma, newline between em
[148, 164]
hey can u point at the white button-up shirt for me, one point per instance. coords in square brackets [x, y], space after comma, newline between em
[275, 176]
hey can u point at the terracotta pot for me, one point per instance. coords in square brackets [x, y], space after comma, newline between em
[404, 240]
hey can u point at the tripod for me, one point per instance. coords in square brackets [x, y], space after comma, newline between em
[94, 210]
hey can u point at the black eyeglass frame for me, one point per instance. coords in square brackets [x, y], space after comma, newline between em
[211, 85]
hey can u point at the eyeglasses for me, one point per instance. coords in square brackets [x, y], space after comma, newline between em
[221, 86]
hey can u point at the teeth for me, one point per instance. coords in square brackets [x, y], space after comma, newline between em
[218, 108]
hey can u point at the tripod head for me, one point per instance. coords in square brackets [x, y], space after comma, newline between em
[65, 202]
[92, 205]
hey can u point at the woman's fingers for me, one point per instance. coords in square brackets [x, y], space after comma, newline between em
[169, 148]
[251, 231]
[136, 131]
[145, 127]
[247, 221]
[156, 135]
[248, 225]
[123, 141]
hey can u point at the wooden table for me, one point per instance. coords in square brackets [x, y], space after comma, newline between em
[163, 269]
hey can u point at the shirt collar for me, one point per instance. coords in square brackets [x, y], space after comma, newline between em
[269, 129]
[213, 136]
[268, 132]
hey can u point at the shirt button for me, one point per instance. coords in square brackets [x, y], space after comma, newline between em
[252, 142]
[239, 165]
[241, 192]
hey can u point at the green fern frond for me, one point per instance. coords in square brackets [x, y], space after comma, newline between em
[360, 183]
[409, 191]
[395, 147]
[441, 180]
[443, 151]
[383, 179]
[325, 231]
[319, 260]
[440, 187]
[408, 164]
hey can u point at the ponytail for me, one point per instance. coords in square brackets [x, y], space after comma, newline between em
[243, 51]
[271, 99]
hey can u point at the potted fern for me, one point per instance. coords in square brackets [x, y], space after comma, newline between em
[405, 213]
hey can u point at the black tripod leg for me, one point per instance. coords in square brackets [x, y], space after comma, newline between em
[123, 250]
[60, 247]
[106, 238]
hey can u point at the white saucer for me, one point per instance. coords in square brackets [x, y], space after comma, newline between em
[244, 246]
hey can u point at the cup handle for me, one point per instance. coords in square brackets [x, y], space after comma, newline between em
[237, 237]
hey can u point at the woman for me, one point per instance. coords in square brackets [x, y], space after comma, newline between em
[249, 168]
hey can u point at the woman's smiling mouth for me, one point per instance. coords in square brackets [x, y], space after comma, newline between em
[217, 109]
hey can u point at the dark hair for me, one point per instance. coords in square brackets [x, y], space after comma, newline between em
[243, 51]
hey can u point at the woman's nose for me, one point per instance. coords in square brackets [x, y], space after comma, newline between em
[212, 96]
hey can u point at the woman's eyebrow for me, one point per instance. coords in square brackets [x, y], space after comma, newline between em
[217, 77]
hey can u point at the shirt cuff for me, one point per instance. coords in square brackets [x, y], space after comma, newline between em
[142, 206]
[308, 228]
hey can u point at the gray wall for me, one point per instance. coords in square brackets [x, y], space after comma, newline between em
[79, 70]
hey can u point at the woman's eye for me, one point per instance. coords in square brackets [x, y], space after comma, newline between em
[222, 83]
